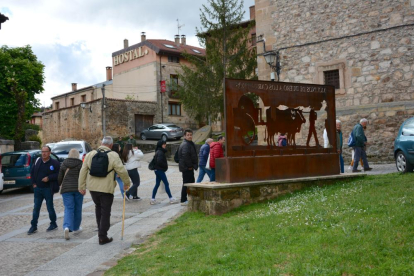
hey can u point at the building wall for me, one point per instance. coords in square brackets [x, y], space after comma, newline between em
[376, 68]
[78, 123]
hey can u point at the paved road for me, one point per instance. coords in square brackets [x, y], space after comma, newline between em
[47, 253]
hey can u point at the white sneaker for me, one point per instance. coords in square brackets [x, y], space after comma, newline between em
[173, 200]
[154, 201]
[185, 203]
[66, 233]
[77, 231]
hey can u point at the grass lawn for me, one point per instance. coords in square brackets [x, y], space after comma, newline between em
[363, 227]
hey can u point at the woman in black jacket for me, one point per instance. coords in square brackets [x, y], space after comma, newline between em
[72, 198]
[161, 166]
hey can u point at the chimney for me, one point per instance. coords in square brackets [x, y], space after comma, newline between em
[182, 39]
[74, 86]
[143, 37]
[177, 39]
[125, 43]
[108, 73]
[252, 12]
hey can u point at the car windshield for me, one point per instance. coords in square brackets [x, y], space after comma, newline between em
[13, 160]
[65, 148]
[173, 126]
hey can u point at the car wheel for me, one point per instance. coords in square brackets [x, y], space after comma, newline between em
[402, 164]
[164, 137]
[143, 137]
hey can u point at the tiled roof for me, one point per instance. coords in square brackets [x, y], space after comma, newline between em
[158, 45]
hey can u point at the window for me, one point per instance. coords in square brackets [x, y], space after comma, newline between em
[72, 101]
[174, 59]
[174, 84]
[170, 46]
[332, 78]
[174, 109]
[253, 39]
[196, 51]
[57, 105]
[408, 128]
[83, 98]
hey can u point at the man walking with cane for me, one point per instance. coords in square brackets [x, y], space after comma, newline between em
[98, 176]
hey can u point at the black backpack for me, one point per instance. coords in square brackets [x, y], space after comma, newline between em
[100, 163]
[151, 165]
[176, 158]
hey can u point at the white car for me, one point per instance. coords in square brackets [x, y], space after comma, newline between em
[61, 149]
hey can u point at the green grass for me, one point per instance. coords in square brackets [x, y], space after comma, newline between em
[363, 227]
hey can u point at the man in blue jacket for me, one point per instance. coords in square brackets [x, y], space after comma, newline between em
[44, 174]
[360, 143]
[202, 160]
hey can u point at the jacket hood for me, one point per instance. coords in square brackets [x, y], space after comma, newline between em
[159, 144]
[213, 144]
[72, 162]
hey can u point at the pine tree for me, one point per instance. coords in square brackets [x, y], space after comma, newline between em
[228, 54]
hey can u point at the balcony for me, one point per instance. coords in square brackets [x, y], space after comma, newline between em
[173, 94]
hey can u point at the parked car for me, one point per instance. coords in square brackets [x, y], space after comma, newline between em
[15, 167]
[162, 131]
[51, 145]
[61, 149]
[404, 147]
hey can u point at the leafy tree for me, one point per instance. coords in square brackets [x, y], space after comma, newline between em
[21, 78]
[228, 54]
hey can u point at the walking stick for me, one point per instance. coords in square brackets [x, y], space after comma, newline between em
[123, 218]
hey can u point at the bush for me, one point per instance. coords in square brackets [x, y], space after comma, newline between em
[35, 138]
[30, 126]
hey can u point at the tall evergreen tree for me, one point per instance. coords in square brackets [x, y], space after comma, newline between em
[21, 78]
[228, 54]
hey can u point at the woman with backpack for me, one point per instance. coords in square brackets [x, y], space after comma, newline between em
[72, 198]
[131, 158]
[117, 148]
[161, 166]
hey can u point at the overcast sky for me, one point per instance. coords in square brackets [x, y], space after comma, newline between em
[75, 39]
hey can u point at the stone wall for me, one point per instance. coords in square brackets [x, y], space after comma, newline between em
[370, 43]
[6, 146]
[86, 124]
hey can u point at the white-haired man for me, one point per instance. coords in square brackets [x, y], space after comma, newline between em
[202, 160]
[360, 143]
[102, 187]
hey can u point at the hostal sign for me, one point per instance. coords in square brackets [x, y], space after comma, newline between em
[129, 55]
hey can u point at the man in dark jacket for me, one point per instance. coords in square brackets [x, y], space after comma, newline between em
[360, 143]
[203, 156]
[216, 151]
[188, 162]
[44, 174]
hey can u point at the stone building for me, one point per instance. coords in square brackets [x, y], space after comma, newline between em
[133, 84]
[364, 48]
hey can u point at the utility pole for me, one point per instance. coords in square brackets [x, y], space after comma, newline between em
[103, 110]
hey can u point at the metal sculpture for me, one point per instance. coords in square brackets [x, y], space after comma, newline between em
[280, 109]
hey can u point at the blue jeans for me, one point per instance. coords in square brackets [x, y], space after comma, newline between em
[73, 210]
[341, 162]
[160, 175]
[120, 183]
[39, 195]
[202, 172]
[360, 153]
[213, 175]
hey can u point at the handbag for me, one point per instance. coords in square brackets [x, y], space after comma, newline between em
[208, 162]
[151, 165]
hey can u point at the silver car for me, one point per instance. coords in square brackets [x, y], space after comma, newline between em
[162, 131]
[62, 149]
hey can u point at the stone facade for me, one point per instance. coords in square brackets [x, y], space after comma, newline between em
[6, 145]
[370, 43]
[80, 123]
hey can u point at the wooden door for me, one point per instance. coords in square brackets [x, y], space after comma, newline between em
[142, 122]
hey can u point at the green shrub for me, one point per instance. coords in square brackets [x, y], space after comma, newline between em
[35, 138]
[31, 126]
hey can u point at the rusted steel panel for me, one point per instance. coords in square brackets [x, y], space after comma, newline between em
[281, 109]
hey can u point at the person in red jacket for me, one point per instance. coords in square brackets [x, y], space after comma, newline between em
[216, 151]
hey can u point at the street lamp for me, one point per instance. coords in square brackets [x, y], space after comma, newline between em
[83, 105]
[273, 59]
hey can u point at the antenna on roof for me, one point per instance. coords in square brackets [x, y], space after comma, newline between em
[179, 26]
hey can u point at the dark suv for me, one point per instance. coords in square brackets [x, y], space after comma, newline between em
[16, 166]
[404, 147]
